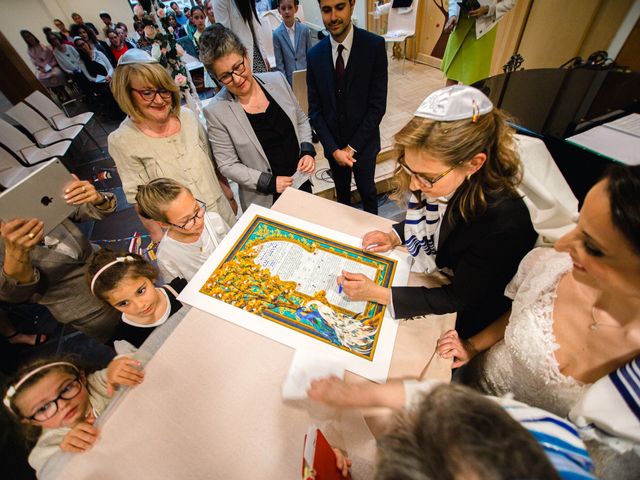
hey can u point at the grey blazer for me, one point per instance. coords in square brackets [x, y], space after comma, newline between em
[236, 148]
[289, 59]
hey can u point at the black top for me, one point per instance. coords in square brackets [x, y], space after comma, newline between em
[278, 139]
[137, 335]
[484, 254]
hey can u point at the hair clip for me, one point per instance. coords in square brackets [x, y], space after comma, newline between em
[475, 110]
[126, 259]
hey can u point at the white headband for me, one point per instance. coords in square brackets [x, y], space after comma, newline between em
[11, 391]
[127, 259]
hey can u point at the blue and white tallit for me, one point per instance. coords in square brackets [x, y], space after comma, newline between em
[609, 411]
[422, 230]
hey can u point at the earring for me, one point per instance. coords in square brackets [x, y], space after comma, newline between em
[468, 177]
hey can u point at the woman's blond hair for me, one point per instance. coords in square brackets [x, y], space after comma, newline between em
[154, 198]
[152, 74]
[459, 141]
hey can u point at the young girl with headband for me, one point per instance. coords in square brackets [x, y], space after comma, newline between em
[126, 282]
[61, 399]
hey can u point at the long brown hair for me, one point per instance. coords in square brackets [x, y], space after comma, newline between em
[458, 141]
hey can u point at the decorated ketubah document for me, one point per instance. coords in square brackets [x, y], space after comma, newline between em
[276, 275]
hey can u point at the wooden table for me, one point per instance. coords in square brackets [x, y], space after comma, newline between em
[210, 406]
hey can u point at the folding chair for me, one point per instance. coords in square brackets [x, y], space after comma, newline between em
[57, 118]
[402, 26]
[38, 127]
[24, 150]
[11, 171]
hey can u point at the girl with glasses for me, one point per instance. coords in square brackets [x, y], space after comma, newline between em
[60, 398]
[191, 233]
[126, 281]
[459, 166]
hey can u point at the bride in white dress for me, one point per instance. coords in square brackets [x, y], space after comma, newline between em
[575, 315]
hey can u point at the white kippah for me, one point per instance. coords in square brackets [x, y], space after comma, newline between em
[454, 103]
[136, 55]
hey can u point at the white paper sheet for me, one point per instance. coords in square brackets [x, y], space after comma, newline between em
[619, 140]
[375, 369]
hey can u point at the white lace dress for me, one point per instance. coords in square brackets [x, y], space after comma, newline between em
[524, 362]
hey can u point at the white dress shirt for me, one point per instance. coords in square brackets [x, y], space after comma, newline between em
[346, 43]
[292, 35]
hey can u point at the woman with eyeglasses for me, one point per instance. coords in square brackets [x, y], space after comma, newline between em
[159, 138]
[58, 397]
[259, 134]
[465, 217]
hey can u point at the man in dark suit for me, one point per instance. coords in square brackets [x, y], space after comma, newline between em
[347, 85]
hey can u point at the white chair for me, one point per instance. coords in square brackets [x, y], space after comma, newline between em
[24, 150]
[57, 118]
[11, 171]
[269, 21]
[299, 87]
[402, 26]
[38, 127]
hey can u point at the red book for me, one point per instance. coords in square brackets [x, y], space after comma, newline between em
[319, 459]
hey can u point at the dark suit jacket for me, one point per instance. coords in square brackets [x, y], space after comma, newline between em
[366, 95]
[484, 254]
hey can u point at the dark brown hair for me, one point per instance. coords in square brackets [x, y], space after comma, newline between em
[623, 186]
[109, 278]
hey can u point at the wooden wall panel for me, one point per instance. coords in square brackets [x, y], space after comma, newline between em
[608, 19]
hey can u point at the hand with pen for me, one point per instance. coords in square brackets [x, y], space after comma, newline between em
[358, 287]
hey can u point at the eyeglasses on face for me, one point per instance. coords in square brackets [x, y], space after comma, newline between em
[227, 77]
[149, 95]
[49, 409]
[422, 178]
[191, 221]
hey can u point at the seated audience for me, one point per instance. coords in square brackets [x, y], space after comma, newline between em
[192, 234]
[178, 31]
[159, 138]
[94, 64]
[138, 13]
[181, 18]
[66, 34]
[262, 107]
[49, 270]
[450, 431]
[123, 31]
[108, 23]
[149, 32]
[118, 47]
[77, 20]
[69, 61]
[126, 282]
[47, 69]
[89, 37]
[138, 28]
[575, 315]
[34, 398]
[465, 217]
[291, 41]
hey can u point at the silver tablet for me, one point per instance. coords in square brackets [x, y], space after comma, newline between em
[39, 195]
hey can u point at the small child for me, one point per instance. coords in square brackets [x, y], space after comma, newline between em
[191, 235]
[61, 399]
[291, 40]
[126, 282]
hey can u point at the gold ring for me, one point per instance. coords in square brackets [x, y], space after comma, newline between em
[84, 189]
[31, 235]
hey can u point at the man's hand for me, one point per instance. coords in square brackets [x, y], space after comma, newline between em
[344, 158]
[451, 24]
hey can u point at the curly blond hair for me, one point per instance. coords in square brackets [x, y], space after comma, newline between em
[458, 141]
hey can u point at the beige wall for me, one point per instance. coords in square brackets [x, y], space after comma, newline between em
[34, 14]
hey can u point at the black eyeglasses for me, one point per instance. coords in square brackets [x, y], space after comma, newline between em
[426, 181]
[191, 221]
[49, 409]
[150, 95]
[238, 70]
